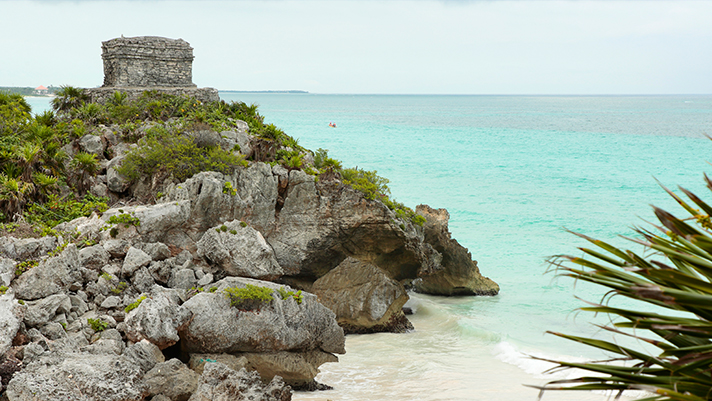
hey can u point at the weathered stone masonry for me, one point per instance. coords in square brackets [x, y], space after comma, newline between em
[147, 61]
[133, 65]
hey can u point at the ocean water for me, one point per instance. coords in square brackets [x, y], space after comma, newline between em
[514, 172]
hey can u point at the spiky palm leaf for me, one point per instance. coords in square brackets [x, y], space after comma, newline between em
[69, 97]
[14, 195]
[86, 164]
[28, 157]
[677, 277]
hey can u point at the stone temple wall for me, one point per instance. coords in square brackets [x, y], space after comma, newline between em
[147, 61]
[134, 65]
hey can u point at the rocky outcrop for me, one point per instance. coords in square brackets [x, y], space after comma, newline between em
[171, 379]
[322, 223]
[157, 320]
[99, 322]
[50, 276]
[363, 298]
[279, 325]
[220, 383]
[78, 377]
[239, 250]
[457, 273]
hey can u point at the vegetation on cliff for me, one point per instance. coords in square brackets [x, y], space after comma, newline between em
[41, 183]
[674, 356]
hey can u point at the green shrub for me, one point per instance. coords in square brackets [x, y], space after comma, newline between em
[25, 266]
[3, 289]
[97, 325]
[177, 155]
[248, 298]
[286, 294]
[127, 219]
[243, 224]
[134, 304]
[228, 189]
[369, 183]
[56, 210]
[322, 161]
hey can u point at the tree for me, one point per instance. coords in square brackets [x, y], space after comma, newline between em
[676, 276]
[86, 164]
[69, 97]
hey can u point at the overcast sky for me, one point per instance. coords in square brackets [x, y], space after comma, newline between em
[458, 47]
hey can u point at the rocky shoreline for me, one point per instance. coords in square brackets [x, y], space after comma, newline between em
[154, 299]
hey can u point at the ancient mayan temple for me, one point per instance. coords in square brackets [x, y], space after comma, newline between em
[133, 65]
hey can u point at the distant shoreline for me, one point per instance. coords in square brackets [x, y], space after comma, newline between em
[284, 91]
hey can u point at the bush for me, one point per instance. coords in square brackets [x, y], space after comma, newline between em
[177, 155]
[57, 210]
[286, 294]
[249, 298]
[673, 274]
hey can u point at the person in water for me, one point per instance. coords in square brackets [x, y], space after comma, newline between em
[332, 125]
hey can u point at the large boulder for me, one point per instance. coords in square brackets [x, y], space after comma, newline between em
[114, 180]
[220, 383]
[51, 276]
[322, 223]
[42, 311]
[280, 325]
[172, 379]
[298, 369]
[157, 222]
[156, 319]
[11, 315]
[239, 250]
[363, 298]
[145, 354]
[26, 248]
[78, 377]
[457, 273]
[213, 200]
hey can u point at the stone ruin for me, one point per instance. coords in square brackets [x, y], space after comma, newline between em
[147, 61]
[133, 65]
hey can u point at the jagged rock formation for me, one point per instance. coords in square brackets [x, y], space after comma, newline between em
[457, 274]
[280, 225]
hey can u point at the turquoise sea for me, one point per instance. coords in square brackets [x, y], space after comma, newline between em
[513, 171]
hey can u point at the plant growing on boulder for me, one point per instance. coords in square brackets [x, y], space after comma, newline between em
[286, 294]
[134, 304]
[3, 289]
[249, 298]
[228, 189]
[25, 266]
[86, 164]
[97, 325]
[127, 219]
